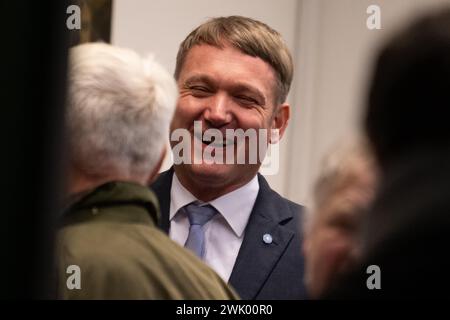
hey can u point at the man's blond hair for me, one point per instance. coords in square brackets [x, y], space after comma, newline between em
[250, 36]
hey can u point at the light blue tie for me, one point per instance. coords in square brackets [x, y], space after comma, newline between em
[198, 217]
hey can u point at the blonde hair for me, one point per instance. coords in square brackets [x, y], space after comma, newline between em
[250, 36]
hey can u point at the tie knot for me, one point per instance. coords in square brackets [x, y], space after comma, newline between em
[199, 215]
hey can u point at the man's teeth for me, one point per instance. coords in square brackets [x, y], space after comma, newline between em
[214, 143]
[218, 144]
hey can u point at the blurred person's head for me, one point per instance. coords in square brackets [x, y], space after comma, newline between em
[407, 126]
[343, 191]
[118, 114]
[409, 94]
[233, 73]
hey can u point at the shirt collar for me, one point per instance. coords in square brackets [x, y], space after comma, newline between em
[235, 206]
[179, 196]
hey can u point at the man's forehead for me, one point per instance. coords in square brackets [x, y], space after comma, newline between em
[236, 83]
[232, 53]
[210, 63]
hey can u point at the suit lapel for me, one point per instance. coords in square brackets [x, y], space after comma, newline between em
[256, 258]
[162, 187]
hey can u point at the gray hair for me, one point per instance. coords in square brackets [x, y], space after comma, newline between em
[119, 110]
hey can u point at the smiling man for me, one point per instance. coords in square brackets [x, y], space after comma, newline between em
[233, 74]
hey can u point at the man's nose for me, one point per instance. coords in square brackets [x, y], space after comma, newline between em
[217, 113]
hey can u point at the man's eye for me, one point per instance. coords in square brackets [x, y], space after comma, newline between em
[200, 91]
[199, 88]
[246, 100]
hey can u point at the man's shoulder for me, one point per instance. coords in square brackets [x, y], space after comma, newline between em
[92, 243]
[271, 195]
[296, 208]
[135, 256]
[293, 205]
[197, 279]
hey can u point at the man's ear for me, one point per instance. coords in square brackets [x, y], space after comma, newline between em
[280, 120]
[155, 171]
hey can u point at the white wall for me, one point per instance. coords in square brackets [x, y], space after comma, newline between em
[333, 64]
[332, 50]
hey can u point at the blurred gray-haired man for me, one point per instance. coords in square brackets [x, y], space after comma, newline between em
[119, 109]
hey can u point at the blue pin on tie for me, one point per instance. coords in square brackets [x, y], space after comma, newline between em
[198, 217]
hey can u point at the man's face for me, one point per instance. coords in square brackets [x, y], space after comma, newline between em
[225, 89]
[331, 246]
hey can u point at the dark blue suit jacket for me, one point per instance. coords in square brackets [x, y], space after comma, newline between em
[261, 271]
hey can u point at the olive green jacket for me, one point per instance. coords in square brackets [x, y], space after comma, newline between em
[111, 235]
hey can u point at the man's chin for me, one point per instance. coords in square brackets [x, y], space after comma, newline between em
[211, 172]
[216, 175]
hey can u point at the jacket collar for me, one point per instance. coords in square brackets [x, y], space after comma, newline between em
[161, 187]
[115, 194]
[256, 258]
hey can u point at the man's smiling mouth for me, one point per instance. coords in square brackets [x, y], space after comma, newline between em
[213, 140]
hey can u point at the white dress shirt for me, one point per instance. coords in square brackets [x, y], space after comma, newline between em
[224, 232]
